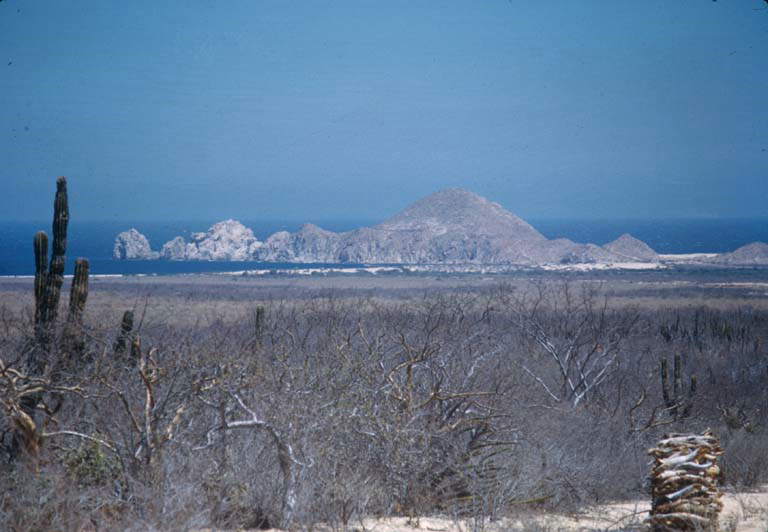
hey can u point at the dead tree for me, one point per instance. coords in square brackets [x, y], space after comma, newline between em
[290, 465]
[21, 396]
[578, 332]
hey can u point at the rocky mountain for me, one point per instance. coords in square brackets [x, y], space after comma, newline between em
[456, 210]
[133, 245]
[754, 254]
[227, 240]
[452, 226]
[632, 249]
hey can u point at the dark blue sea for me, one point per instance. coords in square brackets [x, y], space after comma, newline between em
[95, 240]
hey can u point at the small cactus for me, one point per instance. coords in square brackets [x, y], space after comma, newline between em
[258, 325]
[678, 406]
[126, 326]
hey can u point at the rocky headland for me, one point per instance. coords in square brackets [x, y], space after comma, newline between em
[449, 227]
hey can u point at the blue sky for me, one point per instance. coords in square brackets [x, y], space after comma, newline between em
[336, 109]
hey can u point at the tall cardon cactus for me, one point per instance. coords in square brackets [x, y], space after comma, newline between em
[46, 353]
[49, 279]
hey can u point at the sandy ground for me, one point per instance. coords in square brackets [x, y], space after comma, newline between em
[686, 257]
[602, 266]
[742, 512]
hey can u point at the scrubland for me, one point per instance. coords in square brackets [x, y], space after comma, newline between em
[352, 402]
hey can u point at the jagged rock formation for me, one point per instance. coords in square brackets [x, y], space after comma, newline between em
[754, 254]
[133, 245]
[310, 244]
[227, 240]
[632, 249]
[452, 226]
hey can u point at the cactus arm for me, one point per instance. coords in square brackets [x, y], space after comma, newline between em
[41, 275]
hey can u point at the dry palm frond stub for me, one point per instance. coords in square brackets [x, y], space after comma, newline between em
[684, 488]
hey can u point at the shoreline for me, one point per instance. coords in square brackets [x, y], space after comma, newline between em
[667, 262]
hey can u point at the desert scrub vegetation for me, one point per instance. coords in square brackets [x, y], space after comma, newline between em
[306, 408]
[327, 407]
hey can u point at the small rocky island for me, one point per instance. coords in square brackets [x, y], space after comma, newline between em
[133, 245]
[450, 227]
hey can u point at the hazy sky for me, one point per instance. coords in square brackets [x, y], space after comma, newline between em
[339, 109]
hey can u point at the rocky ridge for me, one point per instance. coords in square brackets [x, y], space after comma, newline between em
[227, 240]
[449, 227]
[754, 254]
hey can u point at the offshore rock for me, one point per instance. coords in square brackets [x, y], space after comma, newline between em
[133, 245]
[227, 240]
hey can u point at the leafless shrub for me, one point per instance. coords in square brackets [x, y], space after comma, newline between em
[332, 406]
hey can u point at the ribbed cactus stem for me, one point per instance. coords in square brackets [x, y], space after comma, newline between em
[126, 326]
[677, 385]
[79, 290]
[41, 274]
[74, 340]
[665, 384]
[678, 406]
[58, 255]
[60, 218]
[259, 323]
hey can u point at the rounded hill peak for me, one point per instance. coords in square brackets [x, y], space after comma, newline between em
[455, 210]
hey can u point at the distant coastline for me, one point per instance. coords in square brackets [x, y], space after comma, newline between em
[95, 240]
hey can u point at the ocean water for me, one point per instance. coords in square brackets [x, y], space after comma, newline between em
[94, 240]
